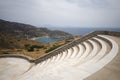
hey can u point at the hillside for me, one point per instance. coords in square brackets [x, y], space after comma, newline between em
[29, 31]
[16, 38]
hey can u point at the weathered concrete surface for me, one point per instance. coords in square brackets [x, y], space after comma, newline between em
[95, 58]
[112, 70]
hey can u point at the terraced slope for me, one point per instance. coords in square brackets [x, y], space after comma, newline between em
[96, 56]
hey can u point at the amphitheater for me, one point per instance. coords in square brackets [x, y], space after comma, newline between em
[95, 56]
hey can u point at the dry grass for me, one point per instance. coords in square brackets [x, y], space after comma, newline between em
[37, 52]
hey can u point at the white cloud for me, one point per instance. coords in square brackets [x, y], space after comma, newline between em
[83, 13]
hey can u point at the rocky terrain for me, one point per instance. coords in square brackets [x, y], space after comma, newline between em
[16, 38]
[29, 31]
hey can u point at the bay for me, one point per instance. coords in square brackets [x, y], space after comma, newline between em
[47, 40]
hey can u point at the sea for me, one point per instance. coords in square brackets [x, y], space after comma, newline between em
[74, 31]
[47, 39]
[83, 31]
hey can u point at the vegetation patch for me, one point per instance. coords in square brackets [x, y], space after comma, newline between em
[30, 48]
[3, 52]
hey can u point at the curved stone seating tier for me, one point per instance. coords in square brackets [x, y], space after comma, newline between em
[95, 56]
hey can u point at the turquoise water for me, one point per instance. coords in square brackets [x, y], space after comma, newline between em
[47, 40]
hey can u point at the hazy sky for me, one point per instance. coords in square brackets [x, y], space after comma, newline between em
[74, 13]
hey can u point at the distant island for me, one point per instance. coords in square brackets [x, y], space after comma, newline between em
[16, 38]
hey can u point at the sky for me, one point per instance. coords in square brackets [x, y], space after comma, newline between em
[62, 13]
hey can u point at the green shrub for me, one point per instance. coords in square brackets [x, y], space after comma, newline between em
[29, 47]
[2, 52]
